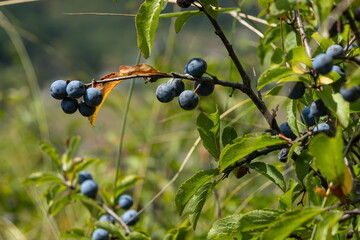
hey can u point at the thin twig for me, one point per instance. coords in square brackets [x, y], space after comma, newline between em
[353, 26]
[302, 32]
[114, 215]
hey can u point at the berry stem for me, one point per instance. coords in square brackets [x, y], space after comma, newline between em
[114, 215]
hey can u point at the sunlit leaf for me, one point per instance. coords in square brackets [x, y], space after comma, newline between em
[328, 221]
[111, 228]
[270, 172]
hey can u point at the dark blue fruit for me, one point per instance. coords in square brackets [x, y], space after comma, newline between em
[318, 109]
[100, 234]
[107, 218]
[69, 105]
[283, 154]
[129, 217]
[322, 63]
[337, 84]
[165, 92]
[183, 3]
[58, 89]
[86, 110]
[294, 90]
[286, 131]
[335, 51]
[178, 85]
[75, 89]
[188, 100]
[84, 175]
[205, 88]
[307, 117]
[339, 70]
[89, 188]
[125, 201]
[321, 127]
[350, 94]
[196, 67]
[93, 97]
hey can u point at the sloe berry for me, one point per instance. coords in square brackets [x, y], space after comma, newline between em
[335, 51]
[286, 131]
[69, 105]
[125, 201]
[84, 175]
[75, 89]
[283, 154]
[322, 63]
[165, 92]
[93, 97]
[307, 117]
[318, 108]
[58, 89]
[294, 90]
[196, 67]
[350, 94]
[321, 127]
[86, 110]
[183, 3]
[178, 85]
[129, 217]
[100, 234]
[188, 100]
[89, 188]
[205, 88]
[107, 218]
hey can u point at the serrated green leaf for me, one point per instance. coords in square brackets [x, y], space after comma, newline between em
[209, 129]
[303, 165]
[197, 202]
[288, 222]
[188, 188]
[273, 75]
[329, 158]
[51, 152]
[183, 18]
[270, 172]
[228, 135]
[244, 146]
[234, 225]
[111, 228]
[298, 54]
[328, 221]
[146, 24]
[39, 178]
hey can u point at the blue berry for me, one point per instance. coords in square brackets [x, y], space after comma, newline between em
[188, 100]
[318, 109]
[128, 217]
[294, 90]
[286, 131]
[69, 105]
[196, 67]
[93, 97]
[58, 89]
[100, 234]
[165, 92]
[84, 175]
[307, 117]
[183, 3]
[350, 94]
[205, 88]
[89, 188]
[86, 110]
[322, 63]
[75, 89]
[178, 85]
[283, 154]
[321, 127]
[125, 201]
[107, 218]
[339, 70]
[335, 51]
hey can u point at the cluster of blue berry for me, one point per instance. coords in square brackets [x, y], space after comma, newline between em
[89, 188]
[188, 99]
[69, 91]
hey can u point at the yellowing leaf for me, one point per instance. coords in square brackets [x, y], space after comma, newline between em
[124, 70]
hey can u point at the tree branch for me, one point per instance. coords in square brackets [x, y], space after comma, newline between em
[302, 32]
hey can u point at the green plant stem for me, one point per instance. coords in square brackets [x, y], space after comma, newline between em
[122, 132]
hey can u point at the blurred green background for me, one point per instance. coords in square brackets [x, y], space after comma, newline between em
[40, 43]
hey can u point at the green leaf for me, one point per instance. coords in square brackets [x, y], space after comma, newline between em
[57, 205]
[146, 24]
[197, 202]
[322, 10]
[111, 228]
[228, 135]
[273, 75]
[126, 182]
[303, 165]
[74, 233]
[311, 182]
[288, 222]
[72, 144]
[354, 78]
[328, 221]
[243, 146]
[270, 172]
[188, 188]
[291, 40]
[329, 158]
[39, 178]
[183, 18]
[138, 236]
[209, 129]
[51, 152]
[234, 225]
[209, 4]
[178, 233]
[286, 200]
[298, 54]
